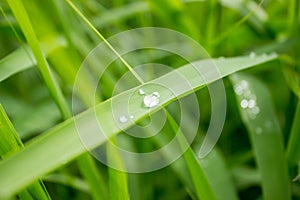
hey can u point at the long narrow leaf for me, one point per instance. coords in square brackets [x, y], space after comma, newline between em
[62, 143]
[11, 143]
[293, 148]
[257, 113]
[26, 26]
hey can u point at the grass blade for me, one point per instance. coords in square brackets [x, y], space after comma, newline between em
[118, 186]
[214, 166]
[15, 62]
[94, 179]
[62, 143]
[23, 58]
[68, 180]
[21, 15]
[11, 143]
[257, 113]
[202, 187]
[293, 149]
[119, 14]
[84, 161]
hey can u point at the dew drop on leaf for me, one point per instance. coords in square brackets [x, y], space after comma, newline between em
[151, 100]
[123, 119]
[252, 54]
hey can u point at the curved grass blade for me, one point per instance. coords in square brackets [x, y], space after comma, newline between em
[68, 180]
[15, 62]
[23, 58]
[62, 143]
[257, 113]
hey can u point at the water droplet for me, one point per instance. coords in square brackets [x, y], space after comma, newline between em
[244, 84]
[252, 54]
[258, 130]
[151, 100]
[255, 110]
[238, 89]
[142, 91]
[244, 103]
[123, 119]
[221, 58]
[131, 116]
[251, 103]
[252, 96]
[156, 94]
[264, 55]
[269, 124]
[247, 93]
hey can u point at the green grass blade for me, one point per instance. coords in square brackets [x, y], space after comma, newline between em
[68, 180]
[62, 144]
[26, 26]
[172, 13]
[23, 58]
[121, 13]
[118, 184]
[10, 143]
[15, 62]
[201, 184]
[293, 148]
[94, 179]
[255, 106]
[214, 166]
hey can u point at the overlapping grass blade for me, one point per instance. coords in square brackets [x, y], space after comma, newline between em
[16, 62]
[26, 26]
[255, 106]
[86, 163]
[62, 143]
[68, 180]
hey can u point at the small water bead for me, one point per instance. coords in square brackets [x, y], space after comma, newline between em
[123, 119]
[244, 84]
[156, 94]
[142, 91]
[273, 54]
[268, 124]
[131, 116]
[264, 55]
[251, 103]
[244, 103]
[151, 100]
[252, 54]
[256, 110]
[258, 130]
[238, 90]
[221, 58]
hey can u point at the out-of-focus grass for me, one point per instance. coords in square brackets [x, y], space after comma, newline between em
[59, 39]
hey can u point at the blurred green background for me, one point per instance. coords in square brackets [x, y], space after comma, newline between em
[225, 28]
